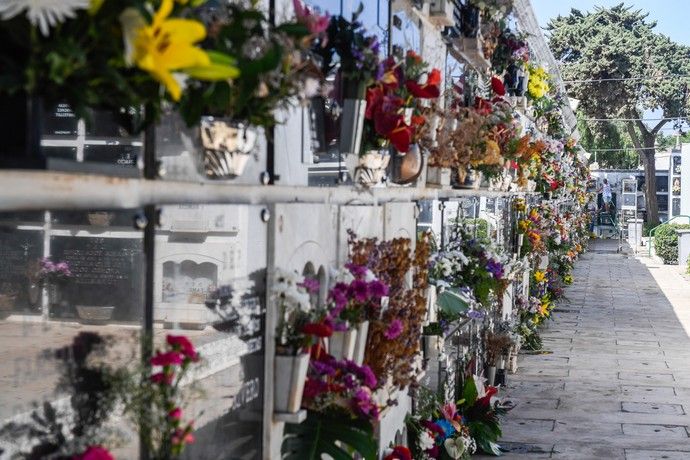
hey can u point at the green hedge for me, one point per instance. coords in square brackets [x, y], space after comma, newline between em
[666, 242]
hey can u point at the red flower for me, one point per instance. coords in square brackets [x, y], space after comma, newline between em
[175, 414]
[94, 453]
[182, 344]
[165, 378]
[318, 329]
[418, 120]
[399, 453]
[401, 137]
[429, 90]
[498, 86]
[374, 101]
[169, 358]
[486, 399]
[483, 106]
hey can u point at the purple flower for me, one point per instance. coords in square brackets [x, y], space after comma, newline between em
[378, 289]
[362, 403]
[359, 290]
[394, 330]
[358, 271]
[322, 368]
[368, 376]
[475, 314]
[311, 285]
[495, 268]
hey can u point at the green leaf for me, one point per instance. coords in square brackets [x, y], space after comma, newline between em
[213, 72]
[337, 436]
[469, 393]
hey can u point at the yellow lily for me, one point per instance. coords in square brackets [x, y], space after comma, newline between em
[164, 45]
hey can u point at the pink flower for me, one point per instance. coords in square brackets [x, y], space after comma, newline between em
[94, 453]
[169, 358]
[359, 290]
[449, 411]
[394, 330]
[316, 24]
[184, 345]
[175, 414]
[162, 378]
[183, 436]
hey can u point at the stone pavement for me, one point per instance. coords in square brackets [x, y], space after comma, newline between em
[614, 379]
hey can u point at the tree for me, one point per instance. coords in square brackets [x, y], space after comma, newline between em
[623, 68]
[609, 142]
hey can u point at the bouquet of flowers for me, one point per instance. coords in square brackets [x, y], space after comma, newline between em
[299, 324]
[355, 297]
[438, 430]
[53, 272]
[107, 55]
[340, 386]
[393, 115]
[277, 62]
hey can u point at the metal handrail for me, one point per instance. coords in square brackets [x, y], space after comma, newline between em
[653, 230]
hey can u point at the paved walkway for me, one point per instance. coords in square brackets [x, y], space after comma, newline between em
[616, 381]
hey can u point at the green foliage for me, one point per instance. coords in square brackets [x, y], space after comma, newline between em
[336, 435]
[620, 44]
[666, 242]
[478, 227]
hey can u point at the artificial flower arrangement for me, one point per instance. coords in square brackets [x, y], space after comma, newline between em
[349, 52]
[394, 113]
[163, 399]
[278, 67]
[299, 324]
[395, 332]
[493, 10]
[438, 430]
[116, 56]
[50, 272]
[539, 83]
[510, 60]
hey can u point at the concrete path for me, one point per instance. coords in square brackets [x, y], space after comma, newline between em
[614, 381]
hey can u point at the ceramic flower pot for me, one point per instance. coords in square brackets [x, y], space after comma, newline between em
[90, 314]
[341, 345]
[405, 168]
[223, 147]
[369, 169]
[361, 342]
[438, 177]
[290, 372]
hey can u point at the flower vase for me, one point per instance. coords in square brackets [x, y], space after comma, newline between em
[21, 127]
[290, 373]
[54, 294]
[352, 117]
[361, 342]
[431, 347]
[437, 177]
[369, 169]
[473, 180]
[405, 168]
[490, 375]
[34, 294]
[223, 147]
[341, 345]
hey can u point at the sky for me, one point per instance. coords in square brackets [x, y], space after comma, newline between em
[671, 15]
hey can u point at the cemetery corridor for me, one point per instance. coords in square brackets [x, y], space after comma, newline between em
[612, 381]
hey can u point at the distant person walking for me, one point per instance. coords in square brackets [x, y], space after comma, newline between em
[606, 195]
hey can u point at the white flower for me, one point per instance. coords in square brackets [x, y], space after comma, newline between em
[42, 13]
[426, 441]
